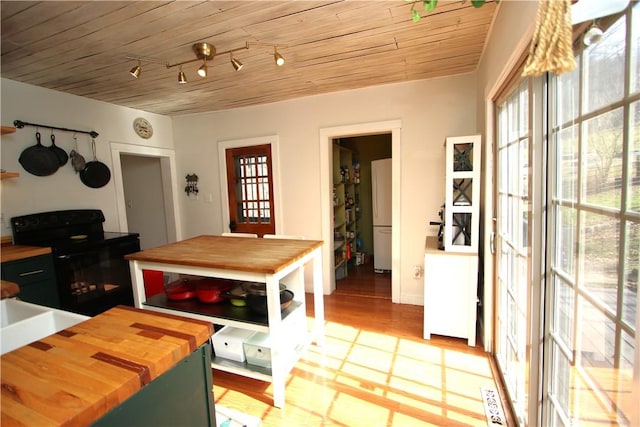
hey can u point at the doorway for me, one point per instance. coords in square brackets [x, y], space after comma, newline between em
[150, 170]
[143, 193]
[357, 275]
[327, 137]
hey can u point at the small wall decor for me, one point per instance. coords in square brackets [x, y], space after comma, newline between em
[192, 184]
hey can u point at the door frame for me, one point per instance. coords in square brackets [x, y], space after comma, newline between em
[274, 141]
[327, 135]
[169, 184]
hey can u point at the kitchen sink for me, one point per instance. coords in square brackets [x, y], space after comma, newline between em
[23, 323]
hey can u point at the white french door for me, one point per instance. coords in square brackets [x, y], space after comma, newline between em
[592, 354]
[568, 236]
[513, 207]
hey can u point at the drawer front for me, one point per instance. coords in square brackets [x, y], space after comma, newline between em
[29, 270]
[36, 278]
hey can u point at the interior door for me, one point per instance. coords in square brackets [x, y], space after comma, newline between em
[250, 188]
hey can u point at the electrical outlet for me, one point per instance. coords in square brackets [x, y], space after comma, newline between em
[417, 271]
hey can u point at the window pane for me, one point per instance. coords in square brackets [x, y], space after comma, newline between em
[631, 269]
[602, 159]
[604, 69]
[567, 95]
[601, 390]
[567, 167]
[560, 382]
[633, 198]
[597, 337]
[563, 312]
[599, 257]
[565, 241]
[635, 50]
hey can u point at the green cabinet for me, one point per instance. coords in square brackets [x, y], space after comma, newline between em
[36, 278]
[182, 396]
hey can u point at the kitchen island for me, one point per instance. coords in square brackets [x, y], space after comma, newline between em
[269, 261]
[122, 367]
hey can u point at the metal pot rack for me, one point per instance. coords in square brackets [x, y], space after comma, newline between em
[20, 124]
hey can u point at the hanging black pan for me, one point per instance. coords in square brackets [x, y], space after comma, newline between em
[39, 160]
[95, 173]
[62, 155]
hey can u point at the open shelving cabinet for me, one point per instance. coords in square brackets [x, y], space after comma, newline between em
[346, 180]
[289, 330]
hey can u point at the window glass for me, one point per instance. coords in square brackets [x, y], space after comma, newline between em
[635, 49]
[598, 254]
[567, 95]
[633, 198]
[567, 163]
[604, 69]
[565, 240]
[631, 271]
[602, 159]
[563, 312]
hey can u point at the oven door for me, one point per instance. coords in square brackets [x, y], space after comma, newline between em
[96, 278]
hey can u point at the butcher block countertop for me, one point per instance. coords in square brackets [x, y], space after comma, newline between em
[16, 252]
[77, 375]
[266, 256]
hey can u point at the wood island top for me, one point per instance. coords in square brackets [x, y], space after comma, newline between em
[77, 375]
[253, 255]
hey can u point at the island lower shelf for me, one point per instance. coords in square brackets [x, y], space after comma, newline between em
[223, 313]
[226, 314]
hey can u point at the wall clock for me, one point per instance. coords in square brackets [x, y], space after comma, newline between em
[143, 128]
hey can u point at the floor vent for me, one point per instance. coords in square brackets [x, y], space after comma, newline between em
[492, 407]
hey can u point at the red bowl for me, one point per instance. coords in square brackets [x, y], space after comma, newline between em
[180, 290]
[212, 290]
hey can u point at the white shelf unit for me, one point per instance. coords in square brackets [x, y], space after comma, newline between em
[281, 325]
[462, 194]
[450, 288]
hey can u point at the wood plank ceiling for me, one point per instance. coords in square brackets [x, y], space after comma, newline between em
[82, 47]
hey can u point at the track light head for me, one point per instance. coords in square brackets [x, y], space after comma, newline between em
[135, 71]
[237, 65]
[277, 57]
[202, 71]
[181, 77]
[593, 35]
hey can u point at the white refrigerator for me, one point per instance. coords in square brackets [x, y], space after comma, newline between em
[381, 206]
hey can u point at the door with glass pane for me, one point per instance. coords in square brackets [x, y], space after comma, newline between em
[513, 260]
[250, 187]
[594, 233]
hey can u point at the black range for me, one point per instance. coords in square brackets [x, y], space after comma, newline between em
[91, 272]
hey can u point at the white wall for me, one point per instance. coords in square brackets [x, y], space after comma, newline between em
[64, 190]
[509, 39]
[429, 111]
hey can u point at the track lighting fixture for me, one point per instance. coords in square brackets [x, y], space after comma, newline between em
[593, 35]
[181, 77]
[135, 71]
[206, 52]
[277, 57]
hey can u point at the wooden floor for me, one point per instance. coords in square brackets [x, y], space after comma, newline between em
[374, 370]
[363, 281]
